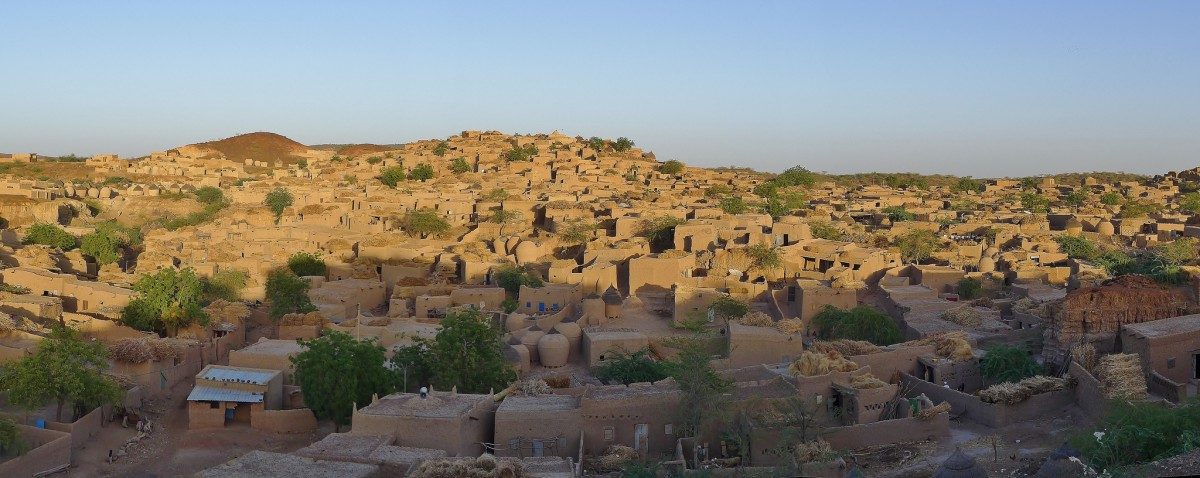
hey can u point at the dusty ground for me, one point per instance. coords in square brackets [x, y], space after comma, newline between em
[1019, 450]
[172, 449]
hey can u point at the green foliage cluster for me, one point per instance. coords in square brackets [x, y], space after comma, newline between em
[373, 160]
[63, 368]
[424, 222]
[764, 257]
[50, 235]
[825, 230]
[466, 353]
[421, 172]
[277, 201]
[521, 153]
[226, 284]
[1133, 209]
[1111, 198]
[1076, 198]
[577, 231]
[969, 288]
[168, 300]
[917, 245]
[1004, 363]
[336, 371]
[10, 438]
[627, 368]
[307, 264]
[1140, 432]
[671, 167]
[860, 323]
[1034, 202]
[733, 205]
[596, 143]
[104, 244]
[441, 149]
[728, 308]
[495, 195]
[1190, 202]
[717, 190]
[392, 176]
[1078, 247]
[13, 289]
[898, 213]
[622, 144]
[967, 185]
[459, 166]
[209, 195]
[205, 214]
[512, 278]
[288, 293]
[703, 393]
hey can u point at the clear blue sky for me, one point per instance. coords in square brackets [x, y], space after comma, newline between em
[965, 87]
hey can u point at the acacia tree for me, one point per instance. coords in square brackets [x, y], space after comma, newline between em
[466, 353]
[703, 394]
[422, 172]
[460, 165]
[335, 372]
[168, 300]
[307, 264]
[63, 368]
[917, 245]
[50, 235]
[424, 222]
[288, 293]
[277, 201]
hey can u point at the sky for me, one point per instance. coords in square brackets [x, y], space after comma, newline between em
[976, 88]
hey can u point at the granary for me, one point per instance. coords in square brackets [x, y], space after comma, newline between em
[224, 395]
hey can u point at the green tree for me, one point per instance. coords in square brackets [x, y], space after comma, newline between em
[717, 191]
[167, 301]
[1176, 253]
[671, 167]
[307, 264]
[1137, 432]
[101, 247]
[1190, 202]
[1076, 198]
[63, 368]
[373, 160]
[1004, 363]
[898, 213]
[1111, 198]
[795, 176]
[288, 293]
[728, 308]
[577, 231]
[50, 235]
[10, 437]
[209, 195]
[917, 245]
[422, 172]
[825, 230]
[964, 185]
[860, 323]
[596, 143]
[763, 257]
[1034, 202]
[441, 149]
[424, 222]
[1137, 209]
[627, 368]
[392, 176]
[622, 144]
[512, 278]
[703, 393]
[225, 284]
[460, 166]
[466, 353]
[521, 153]
[969, 288]
[335, 372]
[733, 205]
[775, 208]
[1077, 247]
[277, 201]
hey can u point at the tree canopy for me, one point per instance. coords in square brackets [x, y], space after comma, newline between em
[277, 201]
[671, 167]
[512, 278]
[860, 323]
[421, 172]
[50, 235]
[307, 264]
[1004, 363]
[917, 245]
[168, 300]
[63, 368]
[466, 353]
[288, 293]
[392, 176]
[336, 371]
[460, 165]
[424, 222]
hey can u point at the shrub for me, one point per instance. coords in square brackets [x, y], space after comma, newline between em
[521, 153]
[50, 235]
[860, 323]
[1005, 363]
[763, 257]
[425, 222]
[627, 368]
[728, 308]
[1111, 198]
[622, 144]
[392, 176]
[288, 294]
[967, 185]
[717, 191]
[1138, 432]
[825, 230]
[307, 264]
[733, 205]
[1077, 247]
[1137, 209]
[422, 172]
[671, 167]
[512, 278]
[226, 284]
[373, 160]
[1034, 202]
[1077, 197]
[209, 195]
[460, 166]
[898, 213]
[1190, 202]
[441, 149]
[917, 245]
[969, 288]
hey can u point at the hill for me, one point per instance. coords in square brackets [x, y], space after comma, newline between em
[260, 146]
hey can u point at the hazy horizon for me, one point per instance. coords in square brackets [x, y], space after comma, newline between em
[1012, 89]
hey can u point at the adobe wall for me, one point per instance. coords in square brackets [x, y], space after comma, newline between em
[885, 364]
[299, 420]
[657, 411]
[990, 414]
[293, 332]
[1089, 393]
[202, 415]
[82, 430]
[526, 426]
[887, 432]
[49, 451]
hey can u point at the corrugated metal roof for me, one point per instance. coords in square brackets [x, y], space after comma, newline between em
[202, 393]
[222, 374]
